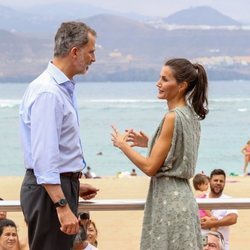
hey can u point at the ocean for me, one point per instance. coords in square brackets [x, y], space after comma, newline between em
[135, 105]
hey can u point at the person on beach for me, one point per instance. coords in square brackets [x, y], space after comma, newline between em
[92, 233]
[51, 142]
[89, 174]
[88, 234]
[83, 218]
[133, 172]
[201, 185]
[3, 214]
[171, 213]
[225, 217]
[214, 240]
[8, 235]
[246, 152]
[80, 242]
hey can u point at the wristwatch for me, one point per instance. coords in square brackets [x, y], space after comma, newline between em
[61, 203]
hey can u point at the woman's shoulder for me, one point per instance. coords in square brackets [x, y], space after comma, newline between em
[170, 115]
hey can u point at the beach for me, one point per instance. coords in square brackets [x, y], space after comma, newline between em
[122, 229]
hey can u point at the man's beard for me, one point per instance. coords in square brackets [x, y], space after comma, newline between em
[215, 192]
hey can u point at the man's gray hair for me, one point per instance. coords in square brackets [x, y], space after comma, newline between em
[219, 236]
[69, 35]
[81, 236]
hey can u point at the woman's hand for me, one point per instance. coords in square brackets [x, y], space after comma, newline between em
[137, 139]
[118, 138]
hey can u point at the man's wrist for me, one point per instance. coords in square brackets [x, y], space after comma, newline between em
[61, 203]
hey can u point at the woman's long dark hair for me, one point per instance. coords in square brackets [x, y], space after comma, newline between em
[196, 77]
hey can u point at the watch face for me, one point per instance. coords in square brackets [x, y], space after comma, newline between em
[61, 203]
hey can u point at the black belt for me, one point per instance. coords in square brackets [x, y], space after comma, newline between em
[71, 175]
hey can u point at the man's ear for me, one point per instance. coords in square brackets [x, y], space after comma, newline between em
[73, 51]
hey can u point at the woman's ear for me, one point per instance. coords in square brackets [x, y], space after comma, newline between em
[183, 86]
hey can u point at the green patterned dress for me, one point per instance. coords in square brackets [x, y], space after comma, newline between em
[171, 213]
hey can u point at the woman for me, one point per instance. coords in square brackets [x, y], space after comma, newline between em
[246, 152]
[171, 212]
[8, 235]
[92, 233]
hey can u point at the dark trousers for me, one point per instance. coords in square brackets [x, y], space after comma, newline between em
[40, 213]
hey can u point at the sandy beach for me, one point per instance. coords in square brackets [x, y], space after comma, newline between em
[121, 230]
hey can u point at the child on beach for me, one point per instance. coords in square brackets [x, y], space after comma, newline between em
[201, 184]
[246, 152]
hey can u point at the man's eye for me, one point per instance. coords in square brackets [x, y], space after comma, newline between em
[211, 245]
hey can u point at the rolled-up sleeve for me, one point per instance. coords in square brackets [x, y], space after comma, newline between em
[46, 116]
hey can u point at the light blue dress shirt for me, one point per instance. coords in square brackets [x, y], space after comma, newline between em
[49, 126]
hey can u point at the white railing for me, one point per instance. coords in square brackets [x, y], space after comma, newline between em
[122, 205]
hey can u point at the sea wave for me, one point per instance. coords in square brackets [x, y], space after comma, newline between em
[118, 103]
[243, 110]
[229, 100]
[9, 103]
[159, 101]
[13, 103]
[124, 100]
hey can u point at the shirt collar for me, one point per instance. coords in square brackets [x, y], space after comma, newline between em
[61, 78]
[57, 74]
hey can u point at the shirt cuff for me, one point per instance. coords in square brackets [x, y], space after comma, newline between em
[51, 178]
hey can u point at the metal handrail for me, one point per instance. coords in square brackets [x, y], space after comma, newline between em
[129, 204]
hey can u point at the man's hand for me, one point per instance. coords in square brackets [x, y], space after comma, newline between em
[69, 222]
[208, 222]
[87, 191]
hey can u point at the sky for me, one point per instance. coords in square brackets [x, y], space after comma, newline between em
[237, 9]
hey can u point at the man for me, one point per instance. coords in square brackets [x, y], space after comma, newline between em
[225, 218]
[81, 243]
[3, 214]
[83, 218]
[214, 240]
[51, 142]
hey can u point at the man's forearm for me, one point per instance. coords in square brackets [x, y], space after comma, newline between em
[54, 191]
[226, 221]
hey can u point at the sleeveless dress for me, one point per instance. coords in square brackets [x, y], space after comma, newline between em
[171, 219]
